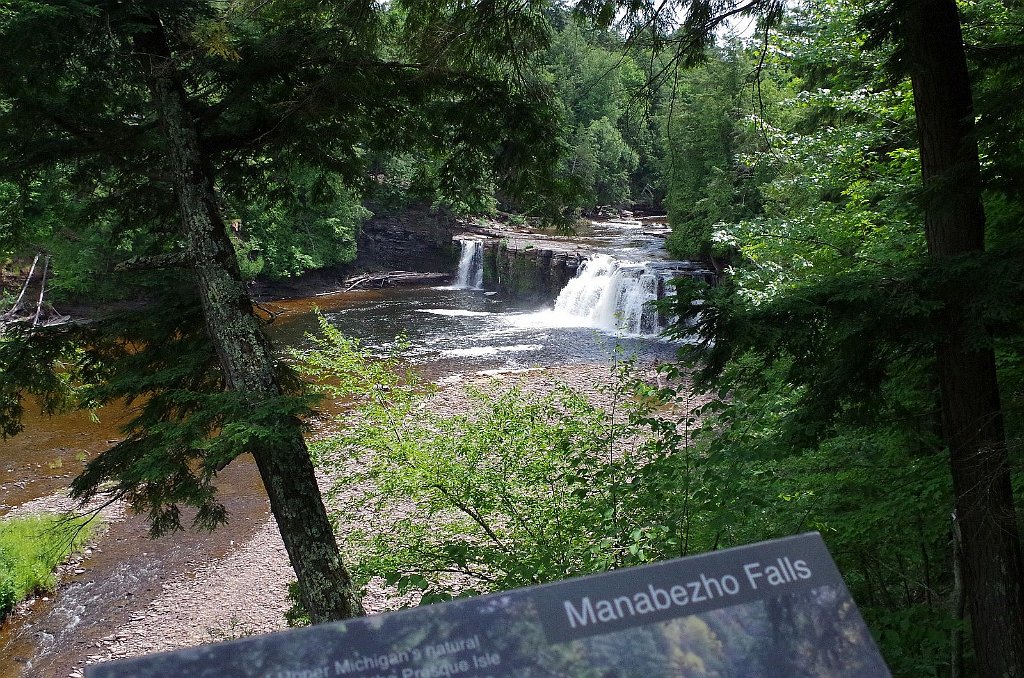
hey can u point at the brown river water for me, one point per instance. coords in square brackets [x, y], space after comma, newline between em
[125, 568]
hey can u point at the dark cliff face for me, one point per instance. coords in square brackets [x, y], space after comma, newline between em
[527, 271]
[416, 239]
[412, 239]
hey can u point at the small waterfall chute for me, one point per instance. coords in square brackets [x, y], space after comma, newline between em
[470, 275]
[614, 295]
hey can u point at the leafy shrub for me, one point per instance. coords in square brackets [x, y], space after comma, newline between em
[521, 489]
[308, 222]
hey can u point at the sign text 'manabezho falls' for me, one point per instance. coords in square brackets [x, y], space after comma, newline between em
[701, 589]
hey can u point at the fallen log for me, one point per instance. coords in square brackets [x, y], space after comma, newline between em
[393, 279]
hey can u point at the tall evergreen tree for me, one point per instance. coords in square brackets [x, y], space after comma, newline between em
[139, 116]
[972, 420]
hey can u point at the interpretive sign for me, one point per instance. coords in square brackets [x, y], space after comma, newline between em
[778, 608]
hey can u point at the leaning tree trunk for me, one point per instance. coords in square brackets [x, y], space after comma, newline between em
[971, 415]
[242, 349]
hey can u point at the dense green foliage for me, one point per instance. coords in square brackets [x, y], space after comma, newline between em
[31, 548]
[607, 142]
[308, 224]
[821, 340]
[595, 84]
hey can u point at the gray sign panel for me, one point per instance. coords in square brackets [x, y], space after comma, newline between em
[777, 608]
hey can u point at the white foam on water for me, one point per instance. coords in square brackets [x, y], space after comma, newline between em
[479, 351]
[452, 312]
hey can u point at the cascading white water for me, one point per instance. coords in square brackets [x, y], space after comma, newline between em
[471, 265]
[613, 295]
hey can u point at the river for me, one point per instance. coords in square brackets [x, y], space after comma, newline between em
[449, 333]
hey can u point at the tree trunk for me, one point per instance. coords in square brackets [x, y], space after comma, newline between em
[971, 414]
[242, 349]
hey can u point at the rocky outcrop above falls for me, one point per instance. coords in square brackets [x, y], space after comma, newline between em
[525, 270]
[524, 263]
[412, 239]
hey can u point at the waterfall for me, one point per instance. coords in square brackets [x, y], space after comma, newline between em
[470, 275]
[614, 295]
